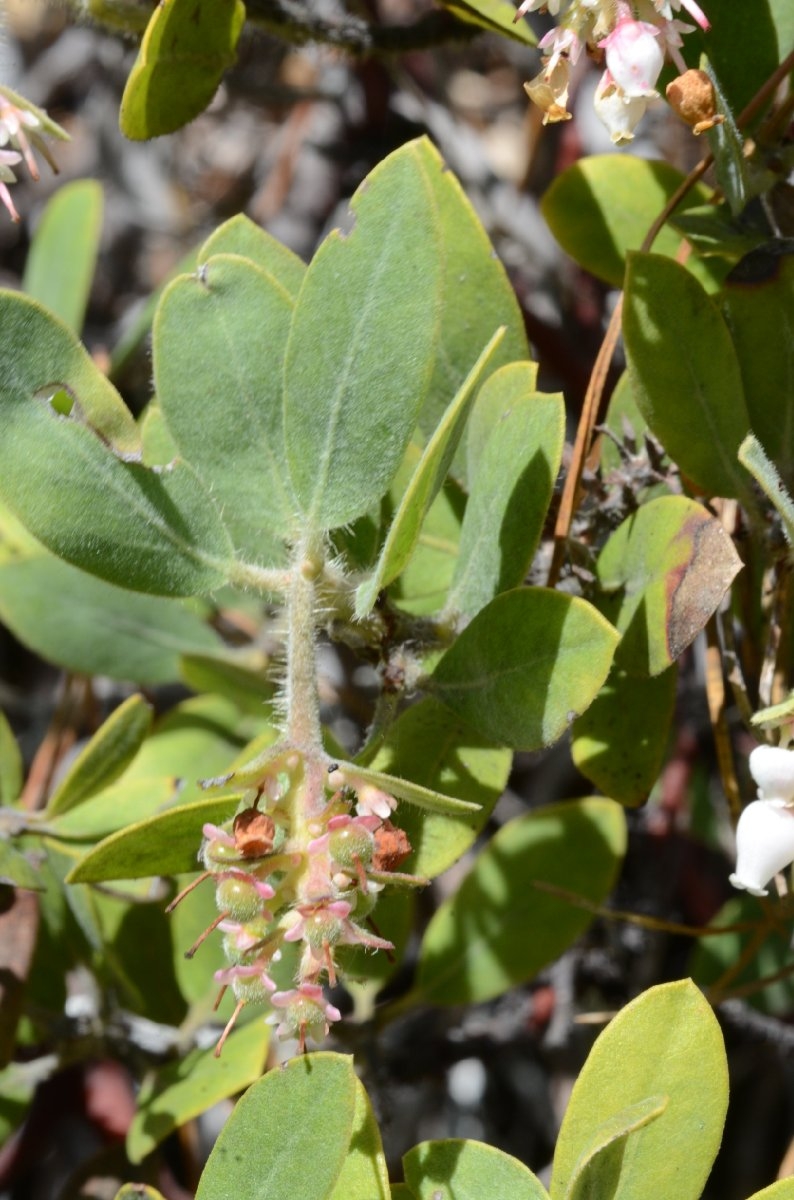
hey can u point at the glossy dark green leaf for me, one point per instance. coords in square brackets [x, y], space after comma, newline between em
[82, 623]
[510, 493]
[666, 1042]
[693, 400]
[187, 46]
[758, 303]
[303, 1116]
[457, 1169]
[218, 342]
[155, 531]
[745, 43]
[60, 265]
[424, 486]
[620, 742]
[107, 755]
[12, 768]
[182, 1090]
[727, 146]
[529, 663]
[603, 206]
[661, 575]
[164, 845]
[500, 929]
[431, 746]
[352, 393]
[241, 236]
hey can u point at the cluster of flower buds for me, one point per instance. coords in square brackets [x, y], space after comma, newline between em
[282, 881]
[24, 127]
[631, 38]
[765, 833]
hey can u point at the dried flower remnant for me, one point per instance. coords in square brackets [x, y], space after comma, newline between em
[634, 39]
[692, 96]
[24, 127]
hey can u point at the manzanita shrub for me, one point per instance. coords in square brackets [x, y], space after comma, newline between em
[356, 450]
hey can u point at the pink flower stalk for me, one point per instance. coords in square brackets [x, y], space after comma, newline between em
[8, 159]
[13, 122]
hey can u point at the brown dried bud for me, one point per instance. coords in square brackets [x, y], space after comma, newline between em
[253, 833]
[391, 848]
[692, 96]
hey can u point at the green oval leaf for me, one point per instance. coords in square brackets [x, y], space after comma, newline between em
[362, 302]
[241, 236]
[106, 757]
[661, 575]
[603, 206]
[424, 486]
[303, 1117]
[666, 1042]
[167, 844]
[187, 46]
[12, 767]
[693, 400]
[457, 1169]
[183, 1090]
[619, 743]
[364, 1175]
[429, 744]
[494, 15]
[151, 530]
[500, 929]
[597, 1173]
[60, 265]
[86, 625]
[477, 296]
[529, 663]
[510, 490]
[782, 1190]
[114, 808]
[218, 343]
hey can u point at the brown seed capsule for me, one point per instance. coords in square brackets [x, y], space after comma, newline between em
[391, 847]
[692, 96]
[253, 833]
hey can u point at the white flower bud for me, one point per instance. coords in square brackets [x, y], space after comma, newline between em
[772, 768]
[764, 845]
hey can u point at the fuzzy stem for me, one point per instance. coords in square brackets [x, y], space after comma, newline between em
[303, 701]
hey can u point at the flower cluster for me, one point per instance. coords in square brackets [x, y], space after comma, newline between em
[23, 126]
[631, 37]
[765, 833]
[282, 883]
